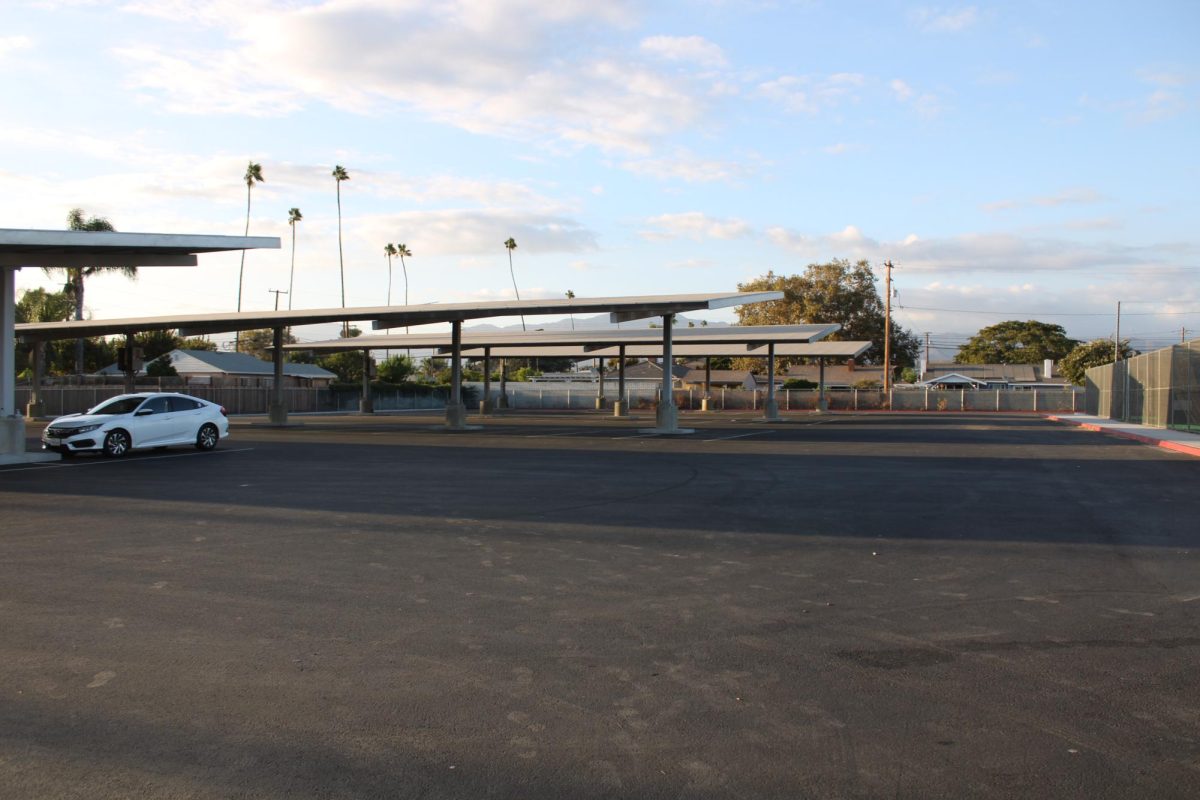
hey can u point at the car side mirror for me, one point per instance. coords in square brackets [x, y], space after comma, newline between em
[143, 412]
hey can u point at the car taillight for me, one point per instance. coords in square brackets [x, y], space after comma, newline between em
[224, 413]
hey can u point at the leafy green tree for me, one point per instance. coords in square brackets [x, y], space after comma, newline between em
[1096, 353]
[1016, 342]
[836, 292]
[259, 342]
[294, 216]
[339, 174]
[347, 365]
[197, 343]
[77, 221]
[395, 369]
[161, 367]
[510, 244]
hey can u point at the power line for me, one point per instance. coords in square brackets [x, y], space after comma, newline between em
[1052, 313]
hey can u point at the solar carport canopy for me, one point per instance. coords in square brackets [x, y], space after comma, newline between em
[620, 309]
[40, 248]
[824, 349]
[745, 337]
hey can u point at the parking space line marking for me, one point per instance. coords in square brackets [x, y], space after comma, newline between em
[71, 464]
[737, 436]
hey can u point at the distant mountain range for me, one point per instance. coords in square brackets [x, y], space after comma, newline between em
[598, 322]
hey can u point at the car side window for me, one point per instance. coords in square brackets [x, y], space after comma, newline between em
[183, 404]
[156, 405]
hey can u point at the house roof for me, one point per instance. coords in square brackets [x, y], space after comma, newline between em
[187, 362]
[835, 374]
[717, 375]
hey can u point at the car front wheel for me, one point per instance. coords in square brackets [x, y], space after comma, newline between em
[207, 438]
[116, 444]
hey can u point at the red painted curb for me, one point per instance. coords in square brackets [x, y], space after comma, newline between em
[1178, 447]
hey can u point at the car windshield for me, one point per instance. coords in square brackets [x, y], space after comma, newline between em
[118, 405]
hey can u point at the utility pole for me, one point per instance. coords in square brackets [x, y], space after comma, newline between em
[277, 292]
[887, 330]
[926, 353]
[1117, 338]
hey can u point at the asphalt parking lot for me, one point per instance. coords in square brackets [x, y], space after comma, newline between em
[846, 606]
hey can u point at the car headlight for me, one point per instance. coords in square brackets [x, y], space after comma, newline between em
[84, 429]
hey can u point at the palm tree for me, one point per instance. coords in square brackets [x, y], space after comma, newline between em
[339, 175]
[511, 244]
[571, 296]
[253, 175]
[76, 221]
[389, 250]
[294, 216]
[402, 251]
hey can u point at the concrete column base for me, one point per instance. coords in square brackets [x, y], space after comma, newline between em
[12, 436]
[601, 403]
[12, 444]
[366, 406]
[666, 422]
[456, 416]
[502, 401]
[619, 409]
[34, 410]
[771, 411]
[485, 407]
[822, 407]
[277, 414]
[704, 404]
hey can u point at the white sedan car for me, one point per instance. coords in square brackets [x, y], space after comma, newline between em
[137, 421]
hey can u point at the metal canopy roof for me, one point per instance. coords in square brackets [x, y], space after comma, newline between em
[620, 308]
[790, 349]
[41, 248]
[746, 336]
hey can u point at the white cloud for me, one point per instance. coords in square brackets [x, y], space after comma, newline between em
[979, 252]
[474, 232]
[1073, 196]
[686, 166]
[461, 62]
[695, 49]
[810, 94]
[939, 20]
[694, 225]
[13, 44]
[926, 104]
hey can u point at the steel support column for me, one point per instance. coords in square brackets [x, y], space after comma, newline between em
[771, 407]
[822, 403]
[600, 400]
[619, 407]
[456, 410]
[485, 405]
[277, 413]
[365, 404]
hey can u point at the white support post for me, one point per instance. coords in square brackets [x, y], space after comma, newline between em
[12, 425]
[771, 406]
[620, 407]
[667, 418]
[278, 412]
[456, 410]
[485, 405]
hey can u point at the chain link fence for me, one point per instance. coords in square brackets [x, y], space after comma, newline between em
[1159, 389]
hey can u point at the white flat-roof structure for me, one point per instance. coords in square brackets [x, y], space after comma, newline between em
[48, 248]
[620, 309]
[766, 341]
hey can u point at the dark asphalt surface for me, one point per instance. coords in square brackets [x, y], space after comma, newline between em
[899, 606]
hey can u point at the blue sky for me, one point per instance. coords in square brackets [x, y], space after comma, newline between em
[1014, 160]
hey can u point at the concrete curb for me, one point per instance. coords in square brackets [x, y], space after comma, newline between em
[1178, 447]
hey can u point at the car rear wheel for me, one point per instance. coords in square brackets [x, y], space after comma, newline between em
[208, 437]
[116, 444]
